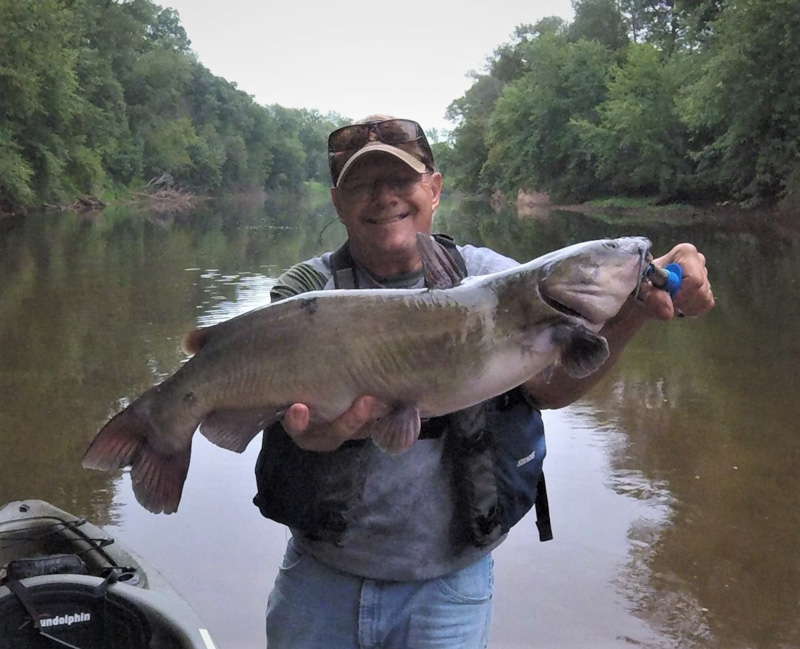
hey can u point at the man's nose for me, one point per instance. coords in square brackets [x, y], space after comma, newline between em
[382, 190]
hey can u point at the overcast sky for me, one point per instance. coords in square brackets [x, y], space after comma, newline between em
[406, 58]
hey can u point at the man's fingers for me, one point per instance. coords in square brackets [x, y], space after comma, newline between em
[364, 409]
[295, 419]
[330, 435]
[694, 297]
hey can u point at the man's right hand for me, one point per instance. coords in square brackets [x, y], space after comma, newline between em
[329, 436]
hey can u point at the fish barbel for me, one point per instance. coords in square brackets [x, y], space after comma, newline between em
[426, 352]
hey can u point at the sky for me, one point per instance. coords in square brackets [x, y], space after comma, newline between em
[355, 57]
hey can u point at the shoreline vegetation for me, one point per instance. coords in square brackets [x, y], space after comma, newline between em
[538, 205]
[692, 102]
[162, 196]
[158, 195]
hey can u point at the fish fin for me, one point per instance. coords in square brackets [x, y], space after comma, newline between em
[195, 340]
[158, 479]
[119, 442]
[397, 431]
[234, 429]
[439, 268]
[582, 351]
[124, 441]
[547, 373]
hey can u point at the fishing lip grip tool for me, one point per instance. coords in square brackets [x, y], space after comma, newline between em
[667, 279]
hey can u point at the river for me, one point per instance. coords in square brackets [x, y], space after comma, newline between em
[673, 485]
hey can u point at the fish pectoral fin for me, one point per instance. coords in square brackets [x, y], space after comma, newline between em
[438, 266]
[547, 373]
[582, 351]
[234, 429]
[396, 432]
[158, 479]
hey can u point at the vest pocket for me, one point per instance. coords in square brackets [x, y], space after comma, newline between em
[310, 491]
[497, 451]
[519, 450]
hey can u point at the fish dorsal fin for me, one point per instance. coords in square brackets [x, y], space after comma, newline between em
[439, 268]
[195, 340]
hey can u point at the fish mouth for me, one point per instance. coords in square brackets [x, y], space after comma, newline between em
[645, 260]
[386, 220]
[563, 308]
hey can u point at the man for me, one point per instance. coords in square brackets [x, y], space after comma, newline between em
[391, 551]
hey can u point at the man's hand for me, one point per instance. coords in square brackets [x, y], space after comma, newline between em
[694, 297]
[331, 435]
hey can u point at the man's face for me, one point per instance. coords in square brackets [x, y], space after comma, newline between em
[383, 203]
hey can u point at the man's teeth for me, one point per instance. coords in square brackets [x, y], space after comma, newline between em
[391, 219]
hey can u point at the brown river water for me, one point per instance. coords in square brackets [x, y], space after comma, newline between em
[674, 485]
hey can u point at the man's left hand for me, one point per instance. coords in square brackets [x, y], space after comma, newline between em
[694, 297]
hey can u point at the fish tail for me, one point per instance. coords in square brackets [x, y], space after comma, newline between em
[119, 442]
[158, 479]
[124, 441]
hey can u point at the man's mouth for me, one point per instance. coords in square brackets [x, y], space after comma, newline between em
[385, 220]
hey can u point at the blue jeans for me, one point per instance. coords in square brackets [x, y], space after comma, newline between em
[313, 606]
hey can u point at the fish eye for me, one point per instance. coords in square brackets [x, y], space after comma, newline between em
[611, 244]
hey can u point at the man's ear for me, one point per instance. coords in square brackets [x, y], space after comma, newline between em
[436, 188]
[335, 201]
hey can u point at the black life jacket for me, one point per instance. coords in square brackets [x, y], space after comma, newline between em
[496, 451]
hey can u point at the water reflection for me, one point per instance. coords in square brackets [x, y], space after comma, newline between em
[674, 484]
[711, 413]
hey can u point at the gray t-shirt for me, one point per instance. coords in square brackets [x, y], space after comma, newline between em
[401, 529]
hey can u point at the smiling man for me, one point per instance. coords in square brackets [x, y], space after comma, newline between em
[385, 194]
[395, 551]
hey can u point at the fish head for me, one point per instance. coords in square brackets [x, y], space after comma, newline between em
[592, 280]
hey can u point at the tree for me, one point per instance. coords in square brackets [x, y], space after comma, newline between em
[744, 103]
[600, 21]
[639, 141]
[532, 144]
[471, 150]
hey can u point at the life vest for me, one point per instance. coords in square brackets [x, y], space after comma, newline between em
[496, 448]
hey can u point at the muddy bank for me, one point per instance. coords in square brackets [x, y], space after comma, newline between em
[782, 220]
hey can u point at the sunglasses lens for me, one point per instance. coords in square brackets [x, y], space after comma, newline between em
[397, 131]
[390, 131]
[404, 134]
[348, 138]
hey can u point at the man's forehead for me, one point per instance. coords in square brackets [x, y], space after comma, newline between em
[377, 164]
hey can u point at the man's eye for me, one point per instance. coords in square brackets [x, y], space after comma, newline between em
[399, 182]
[359, 188]
[394, 183]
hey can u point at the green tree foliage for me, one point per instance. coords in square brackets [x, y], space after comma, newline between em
[100, 95]
[39, 98]
[692, 99]
[471, 149]
[599, 20]
[745, 102]
[639, 143]
[532, 144]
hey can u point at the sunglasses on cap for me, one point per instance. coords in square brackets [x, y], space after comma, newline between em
[403, 134]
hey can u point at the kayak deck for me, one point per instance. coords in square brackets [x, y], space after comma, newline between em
[66, 582]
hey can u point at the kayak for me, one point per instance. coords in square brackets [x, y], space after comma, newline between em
[65, 582]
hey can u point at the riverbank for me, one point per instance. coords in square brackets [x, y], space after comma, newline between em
[782, 221]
